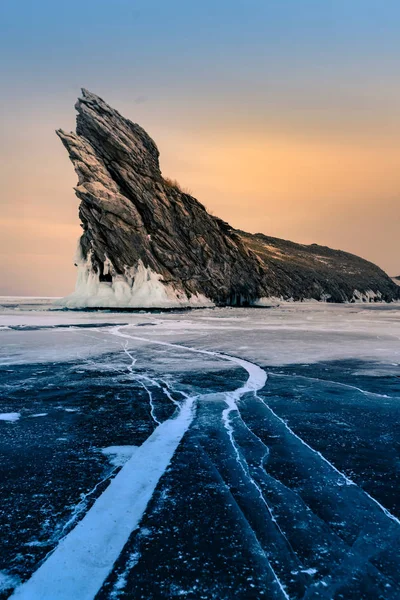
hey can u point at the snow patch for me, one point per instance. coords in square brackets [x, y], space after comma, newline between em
[11, 417]
[139, 287]
[268, 301]
[311, 571]
[119, 455]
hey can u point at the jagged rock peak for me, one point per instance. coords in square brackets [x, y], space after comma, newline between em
[147, 243]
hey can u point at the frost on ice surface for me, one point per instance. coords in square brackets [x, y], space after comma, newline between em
[11, 416]
[7, 582]
[119, 455]
[139, 287]
[121, 582]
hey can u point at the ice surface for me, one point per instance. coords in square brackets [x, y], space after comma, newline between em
[284, 486]
[289, 334]
[85, 557]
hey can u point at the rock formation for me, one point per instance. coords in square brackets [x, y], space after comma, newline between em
[147, 243]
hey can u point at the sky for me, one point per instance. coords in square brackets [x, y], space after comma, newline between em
[281, 116]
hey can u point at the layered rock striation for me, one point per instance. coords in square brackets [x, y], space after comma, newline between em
[147, 243]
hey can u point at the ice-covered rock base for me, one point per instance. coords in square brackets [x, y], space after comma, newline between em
[357, 297]
[140, 287]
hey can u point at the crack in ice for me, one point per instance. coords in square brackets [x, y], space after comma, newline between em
[85, 557]
[338, 383]
[139, 377]
[232, 407]
[322, 457]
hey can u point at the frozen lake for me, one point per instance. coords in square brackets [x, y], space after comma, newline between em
[216, 453]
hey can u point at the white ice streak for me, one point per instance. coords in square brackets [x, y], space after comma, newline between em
[11, 417]
[256, 381]
[83, 559]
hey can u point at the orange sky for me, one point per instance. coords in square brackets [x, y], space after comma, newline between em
[280, 120]
[333, 190]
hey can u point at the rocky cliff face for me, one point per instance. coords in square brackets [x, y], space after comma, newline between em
[147, 243]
